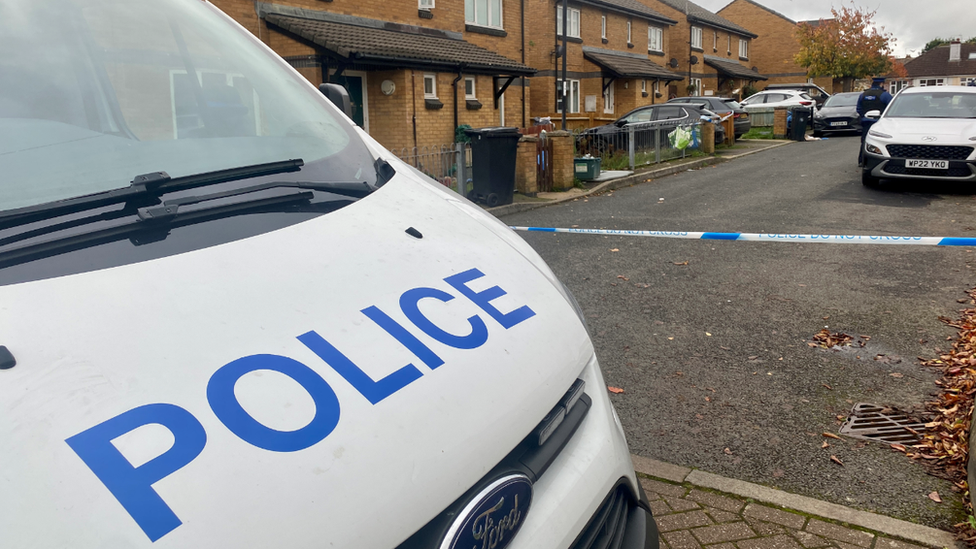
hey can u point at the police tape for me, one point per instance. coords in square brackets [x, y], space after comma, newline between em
[769, 237]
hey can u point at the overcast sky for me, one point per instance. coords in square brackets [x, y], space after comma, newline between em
[912, 22]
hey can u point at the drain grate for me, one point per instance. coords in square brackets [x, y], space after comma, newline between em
[871, 422]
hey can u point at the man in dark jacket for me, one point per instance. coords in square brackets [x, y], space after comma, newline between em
[874, 98]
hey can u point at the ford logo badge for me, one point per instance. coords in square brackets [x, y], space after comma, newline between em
[930, 138]
[493, 517]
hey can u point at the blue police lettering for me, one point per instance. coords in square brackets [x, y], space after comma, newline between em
[223, 402]
[132, 486]
[374, 391]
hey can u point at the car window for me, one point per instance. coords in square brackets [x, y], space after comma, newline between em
[933, 105]
[841, 100]
[643, 115]
[669, 113]
[806, 96]
[732, 104]
[775, 97]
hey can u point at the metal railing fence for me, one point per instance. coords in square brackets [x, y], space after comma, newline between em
[631, 146]
[449, 165]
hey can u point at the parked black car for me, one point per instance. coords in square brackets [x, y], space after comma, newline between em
[721, 106]
[838, 114]
[645, 122]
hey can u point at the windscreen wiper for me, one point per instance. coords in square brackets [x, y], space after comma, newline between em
[152, 184]
[170, 208]
[142, 224]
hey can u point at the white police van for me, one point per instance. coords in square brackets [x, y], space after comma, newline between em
[228, 318]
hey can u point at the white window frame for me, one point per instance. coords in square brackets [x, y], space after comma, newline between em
[643, 86]
[696, 37]
[425, 4]
[714, 40]
[925, 82]
[655, 34]
[573, 20]
[698, 87]
[608, 99]
[471, 13]
[474, 92]
[432, 78]
[603, 27]
[743, 48]
[629, 35]
[574, 91]
[657, 87]
[729, 46]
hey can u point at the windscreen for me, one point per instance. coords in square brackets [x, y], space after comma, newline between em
[840, 100]
[96, 92]
[933, 104]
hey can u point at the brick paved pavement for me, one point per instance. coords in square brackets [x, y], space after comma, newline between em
[692, 518]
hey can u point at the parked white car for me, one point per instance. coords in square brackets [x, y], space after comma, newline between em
[926, 132]
[229, 318]
[778, 98]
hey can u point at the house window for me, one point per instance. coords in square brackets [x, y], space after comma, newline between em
[729, 44]
[469, 88]
[425, 4]
[629, 41]
[430, 86]
[572, 96]
[714, 40]
[696, 37]
[655, 39]
[657, 87]
[574, 22]
[696, 82]
[603, 27]
[969, 81]
[608, 98]
[898, 85]
[643, 86]
[743, 49]
[932, 82]
[484, 13]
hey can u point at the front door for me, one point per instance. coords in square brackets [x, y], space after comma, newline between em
[355, 84]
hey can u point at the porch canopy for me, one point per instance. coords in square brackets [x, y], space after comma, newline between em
[626, 65]
[351, 40]
[730, 69]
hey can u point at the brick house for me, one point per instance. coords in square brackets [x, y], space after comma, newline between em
[614, 61]
[773, 51]
[712, 52]
[414, 71]
[948, 65]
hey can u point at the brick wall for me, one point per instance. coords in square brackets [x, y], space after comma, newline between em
[773, 52]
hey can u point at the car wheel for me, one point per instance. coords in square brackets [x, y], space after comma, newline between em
[869, 180]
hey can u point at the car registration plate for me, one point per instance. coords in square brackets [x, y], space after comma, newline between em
[841, 123]
[927, 164]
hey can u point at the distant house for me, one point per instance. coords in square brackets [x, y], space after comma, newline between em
[773, 51]
[949, 65]
[712, 52]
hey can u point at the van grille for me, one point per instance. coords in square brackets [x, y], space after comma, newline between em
[609, 523]
[931, 152]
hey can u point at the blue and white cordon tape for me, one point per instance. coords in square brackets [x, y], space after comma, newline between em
[764, 237]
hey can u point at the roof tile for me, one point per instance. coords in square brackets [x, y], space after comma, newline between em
[695, 11]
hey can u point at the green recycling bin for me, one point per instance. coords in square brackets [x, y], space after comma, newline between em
[586, 169]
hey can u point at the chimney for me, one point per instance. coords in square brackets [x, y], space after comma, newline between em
[954, 50]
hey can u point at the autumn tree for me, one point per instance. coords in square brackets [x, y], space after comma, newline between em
[848, 46]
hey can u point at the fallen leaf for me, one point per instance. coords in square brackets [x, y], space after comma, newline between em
[708, 399]
[724, 348]
[624, 278]
[934, 496]
[837, 460]
[614, 249]
[615, 390]
[825, 444]
[670, 338]
[827, 386]
[831, 435]
[899, 448]
[727, 451]
[708, 334]
[753, 357]
[677, 263]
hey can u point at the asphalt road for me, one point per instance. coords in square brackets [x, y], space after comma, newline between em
[709, 339]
